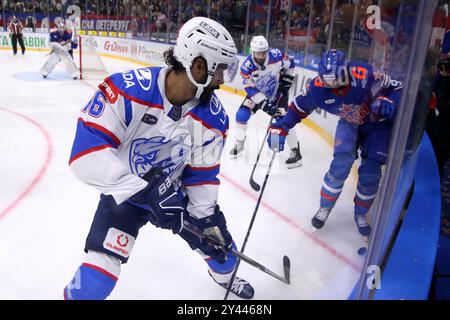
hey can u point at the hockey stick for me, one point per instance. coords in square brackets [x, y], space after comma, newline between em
[214, 242]
[255, 186]
[286, 261]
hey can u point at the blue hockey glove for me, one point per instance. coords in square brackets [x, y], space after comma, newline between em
[383, 107]
[163, 201]
[214, 226]
[277, 135]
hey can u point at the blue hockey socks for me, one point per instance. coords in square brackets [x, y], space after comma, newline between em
[90, 283]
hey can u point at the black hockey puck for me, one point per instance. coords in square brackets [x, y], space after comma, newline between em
[362, 251]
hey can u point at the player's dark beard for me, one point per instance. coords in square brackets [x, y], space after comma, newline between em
[208, 91]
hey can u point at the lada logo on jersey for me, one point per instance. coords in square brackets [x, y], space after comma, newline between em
[330, 101]
[215, 106]
[170, 155]
[144, 77]
[210, 29]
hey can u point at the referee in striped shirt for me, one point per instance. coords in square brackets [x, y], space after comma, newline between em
[15, 30]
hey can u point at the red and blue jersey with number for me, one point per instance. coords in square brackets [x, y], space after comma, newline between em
[129, 126]
[352, 102]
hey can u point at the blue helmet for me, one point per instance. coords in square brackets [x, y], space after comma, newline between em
[333, 69]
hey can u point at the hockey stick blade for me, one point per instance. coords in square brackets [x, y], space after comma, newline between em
[261, 267]
[253, 184]
[287, 269]
[213, 241]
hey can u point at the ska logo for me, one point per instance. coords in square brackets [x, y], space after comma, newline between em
[354, 113]
[267, 84]
[169, 155]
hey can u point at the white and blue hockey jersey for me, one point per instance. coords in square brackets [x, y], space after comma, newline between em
[129, 126]
[261, 82]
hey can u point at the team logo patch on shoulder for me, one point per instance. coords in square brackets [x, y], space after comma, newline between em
[144, 78]
[119, 242]
[214, 105]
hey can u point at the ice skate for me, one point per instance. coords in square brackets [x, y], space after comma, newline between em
[295, 158]
[363, 225]
[240, 287]
[320, 217]
[237, 149]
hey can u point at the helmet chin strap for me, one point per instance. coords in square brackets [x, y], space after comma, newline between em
[200, 87]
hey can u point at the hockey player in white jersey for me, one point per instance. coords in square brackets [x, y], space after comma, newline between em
[150, 140]
[267, 75]
[61, 45]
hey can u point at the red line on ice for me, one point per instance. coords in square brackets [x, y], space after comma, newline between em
[292, 223]
[42, 170]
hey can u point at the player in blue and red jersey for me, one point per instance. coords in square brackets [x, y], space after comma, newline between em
[365, 101]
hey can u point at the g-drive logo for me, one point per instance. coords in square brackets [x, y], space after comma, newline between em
[210, 29]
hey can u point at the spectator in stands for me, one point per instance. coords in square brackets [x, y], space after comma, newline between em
[440, 127]
[29, 23]
[258, 28]
[161, 20]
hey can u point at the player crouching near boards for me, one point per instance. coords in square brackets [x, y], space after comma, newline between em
[365, 101]
[267, 75]
[62, 46]
[157, 135]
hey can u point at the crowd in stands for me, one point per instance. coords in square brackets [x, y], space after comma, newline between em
[305, 22]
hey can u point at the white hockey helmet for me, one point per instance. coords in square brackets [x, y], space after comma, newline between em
[61, 25]
[259, 44]
[207, 38]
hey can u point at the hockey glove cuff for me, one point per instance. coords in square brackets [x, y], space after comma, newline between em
[277, 135]
[214, 226]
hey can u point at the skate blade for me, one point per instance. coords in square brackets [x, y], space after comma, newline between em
[235, 156]
[294, 165]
